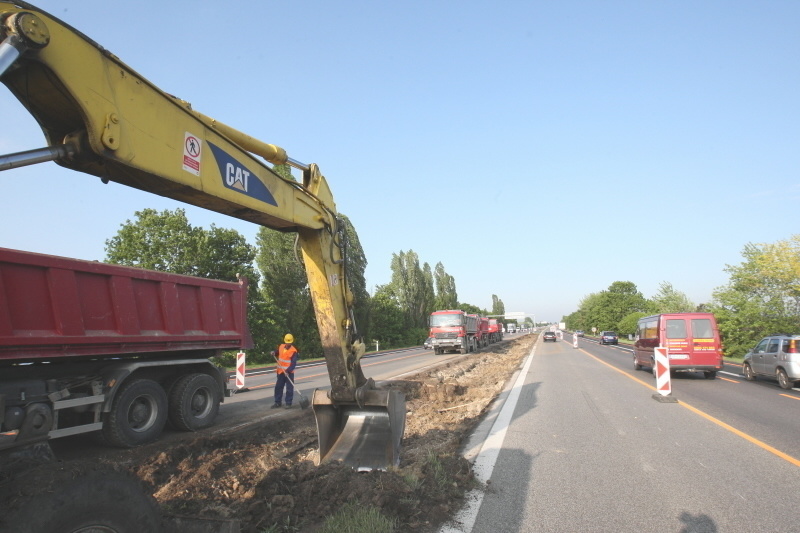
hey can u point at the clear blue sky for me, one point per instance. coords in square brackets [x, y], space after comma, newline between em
[539, 150]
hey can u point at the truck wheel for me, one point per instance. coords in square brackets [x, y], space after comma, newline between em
[79, 497]
[636, 365]
[710, 374]
[783, 379]
[194, 402]
[137, 415]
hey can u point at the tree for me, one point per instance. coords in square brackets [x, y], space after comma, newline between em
[445, 284]
[285, 290]
[605, 310]
[387, 319]
[669, 300]
[428, 293]
[762, 296]
[498, 308]
[628, 325]
[409, 288]
[471, 309]
[356, 266]
[162, 241]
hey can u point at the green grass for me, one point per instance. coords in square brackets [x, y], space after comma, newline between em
[355, 518]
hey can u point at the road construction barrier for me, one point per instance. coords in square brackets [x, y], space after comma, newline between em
[663, 383]
[240, 370]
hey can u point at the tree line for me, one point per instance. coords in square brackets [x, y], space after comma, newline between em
[761, 297]
[279, 300]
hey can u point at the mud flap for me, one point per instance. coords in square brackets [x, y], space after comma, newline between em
[365, 437]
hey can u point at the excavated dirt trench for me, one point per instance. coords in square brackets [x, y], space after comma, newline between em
[266, 475]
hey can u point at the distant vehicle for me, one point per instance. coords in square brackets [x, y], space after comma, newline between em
[428, 344]
[512, 328]
[608, 337]
[692, 340]
[776, 357]
[549, 336]
[579, 332]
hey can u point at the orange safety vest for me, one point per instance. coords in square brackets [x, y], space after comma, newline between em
[285, 354]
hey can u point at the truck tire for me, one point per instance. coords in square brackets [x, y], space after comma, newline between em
[636, 365]
[194, 402]
[138, 414]
[79, 497]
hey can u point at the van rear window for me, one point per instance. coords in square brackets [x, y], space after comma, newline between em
[676, 329]
[701, 328]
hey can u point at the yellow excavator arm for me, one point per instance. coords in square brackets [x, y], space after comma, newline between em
[102, 118]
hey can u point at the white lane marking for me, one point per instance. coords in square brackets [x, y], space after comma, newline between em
[464, 520]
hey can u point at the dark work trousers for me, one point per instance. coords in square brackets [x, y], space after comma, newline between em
[280, 383]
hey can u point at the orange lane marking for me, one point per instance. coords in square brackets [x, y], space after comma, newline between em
[792, 397]
[728, 379]
[720, 423]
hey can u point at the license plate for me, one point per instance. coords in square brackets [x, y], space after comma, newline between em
[679, 356]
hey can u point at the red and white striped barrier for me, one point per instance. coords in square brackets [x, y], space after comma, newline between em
[240, 370]
[663, 383]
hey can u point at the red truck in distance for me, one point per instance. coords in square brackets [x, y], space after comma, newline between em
[453, 330]
[495, 330]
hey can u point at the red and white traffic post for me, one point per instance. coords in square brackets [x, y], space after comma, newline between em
[661, 370]
[240, 370]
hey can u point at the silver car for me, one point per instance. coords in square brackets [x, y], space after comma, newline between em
[776, 357]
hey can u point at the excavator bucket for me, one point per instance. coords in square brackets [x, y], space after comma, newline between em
[364, 436]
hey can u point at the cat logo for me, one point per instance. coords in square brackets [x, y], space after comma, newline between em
[238, 177]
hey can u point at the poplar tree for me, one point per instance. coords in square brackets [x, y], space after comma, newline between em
[445, 284]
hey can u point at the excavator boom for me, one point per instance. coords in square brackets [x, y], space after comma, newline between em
[100, 117]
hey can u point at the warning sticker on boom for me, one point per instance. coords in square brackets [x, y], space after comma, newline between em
[192, 150]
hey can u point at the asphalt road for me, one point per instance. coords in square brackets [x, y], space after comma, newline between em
[579, 444]
[243, 407]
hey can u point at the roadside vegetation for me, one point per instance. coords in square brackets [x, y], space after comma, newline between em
[762, 297]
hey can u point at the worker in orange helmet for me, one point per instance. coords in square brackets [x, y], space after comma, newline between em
[286, 355]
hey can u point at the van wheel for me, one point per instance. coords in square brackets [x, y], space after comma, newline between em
[783, 379]
[636, 366]
[710, 374]
[747, 370]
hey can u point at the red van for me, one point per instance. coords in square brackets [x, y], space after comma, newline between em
[692, 340]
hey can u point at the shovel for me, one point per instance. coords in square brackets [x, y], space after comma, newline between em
[304, 403]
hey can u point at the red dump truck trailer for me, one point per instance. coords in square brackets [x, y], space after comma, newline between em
[482, 337]
[87, 346]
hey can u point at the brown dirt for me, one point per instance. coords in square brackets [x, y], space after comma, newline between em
[266, 474]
